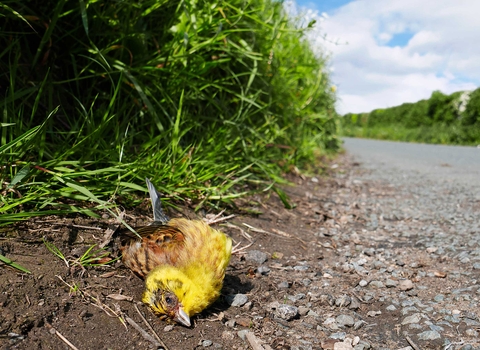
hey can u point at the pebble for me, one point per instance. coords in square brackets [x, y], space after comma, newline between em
[301, 267]
[376, 284]
[207, 343]
[389, 283]
[243, 334]
[236, 300]
[345, 320]
[263, 270]
[429, 335]
[168, 328]
[302, 310]
[256, 256]
[362, 283]
[405, 285]
[230, 323]
[415, 318]
[286, 312]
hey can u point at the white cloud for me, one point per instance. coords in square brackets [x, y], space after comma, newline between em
[442, 54]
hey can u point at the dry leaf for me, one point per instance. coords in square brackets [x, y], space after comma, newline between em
[108, 274]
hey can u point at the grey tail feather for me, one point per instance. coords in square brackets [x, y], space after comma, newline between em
[158, 213]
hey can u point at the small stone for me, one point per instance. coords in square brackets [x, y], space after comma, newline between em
[405, 285]
[330, 323]
[409, 309]
[377, 284]
[362, 283]
[361, 262]
[338, 335]
[429, 335]
[312, 313]
[301, 268]
[346, 345]
[415, 318]
[236, 299]
[344, 300]
[355, 340]
[227, 335]
[467, 347]
[248, 306]
[230, 323]
[243, 333]
[256, 256]
[368, 297]
[283, 285]
[286, 312]
[476, 266]
[306, 282]
[168, 328]
[345, 321]
[373, 313]
[439, 297]
[389, 283]
[412, 293]
[263, 270]
[354, 304]
[302, 310]
[363, 345]
[207, 343]
[391, 308]
[471, 333]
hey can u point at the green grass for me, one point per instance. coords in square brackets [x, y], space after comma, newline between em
[211, 100]
[13, 264]
[91, 257]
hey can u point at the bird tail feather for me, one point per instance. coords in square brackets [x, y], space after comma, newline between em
[158, 213]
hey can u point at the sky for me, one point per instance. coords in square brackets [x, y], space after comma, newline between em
[383, 53]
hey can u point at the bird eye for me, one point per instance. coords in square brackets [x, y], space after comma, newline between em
[169, 300]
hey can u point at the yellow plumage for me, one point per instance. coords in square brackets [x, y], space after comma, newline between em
[183, 262]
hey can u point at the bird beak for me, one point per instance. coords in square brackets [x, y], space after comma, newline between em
[182, 317]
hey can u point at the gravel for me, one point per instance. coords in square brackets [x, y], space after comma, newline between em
[397, 263]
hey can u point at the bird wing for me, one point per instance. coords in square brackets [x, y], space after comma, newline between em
[158, 213]
[159, 245]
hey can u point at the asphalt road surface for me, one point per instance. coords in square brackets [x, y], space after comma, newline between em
[450, 163]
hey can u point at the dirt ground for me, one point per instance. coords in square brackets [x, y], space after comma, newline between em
[68, 307]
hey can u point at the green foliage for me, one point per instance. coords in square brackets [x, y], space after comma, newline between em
[472, 111]
[202, 96]
[436, 120]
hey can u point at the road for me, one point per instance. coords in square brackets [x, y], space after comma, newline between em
[450, 163]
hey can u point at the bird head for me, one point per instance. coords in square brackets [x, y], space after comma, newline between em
[166, 288]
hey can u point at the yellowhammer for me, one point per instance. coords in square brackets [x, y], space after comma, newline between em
[183, 262]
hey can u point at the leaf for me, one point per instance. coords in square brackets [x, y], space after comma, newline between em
[283, 197]
[9, 262]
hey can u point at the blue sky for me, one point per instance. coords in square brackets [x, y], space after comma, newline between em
[387, 52]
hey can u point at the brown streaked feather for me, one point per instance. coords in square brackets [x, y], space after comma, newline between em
[159, 244]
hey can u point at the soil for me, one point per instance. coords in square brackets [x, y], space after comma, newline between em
[307, 267]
